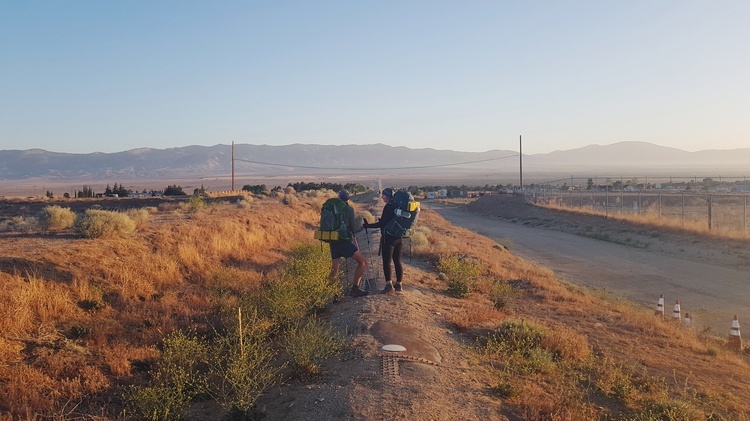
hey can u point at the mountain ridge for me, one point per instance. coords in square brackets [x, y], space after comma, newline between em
[298, 158]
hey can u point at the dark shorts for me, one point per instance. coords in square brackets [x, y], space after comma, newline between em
[344, 249]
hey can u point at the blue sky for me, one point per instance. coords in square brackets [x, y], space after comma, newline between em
[108, 76]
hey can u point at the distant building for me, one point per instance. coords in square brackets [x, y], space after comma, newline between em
[442, 193]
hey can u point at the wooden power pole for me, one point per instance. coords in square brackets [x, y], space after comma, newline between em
[232, 165]
[520, 158]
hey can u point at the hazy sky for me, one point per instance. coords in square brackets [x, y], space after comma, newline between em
[107, 76]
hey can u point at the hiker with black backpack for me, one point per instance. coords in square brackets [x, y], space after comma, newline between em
[390, 246]
[337, 229]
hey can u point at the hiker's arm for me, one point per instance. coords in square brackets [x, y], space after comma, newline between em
[384, 218]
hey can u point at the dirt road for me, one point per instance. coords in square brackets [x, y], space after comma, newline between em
[710, 278]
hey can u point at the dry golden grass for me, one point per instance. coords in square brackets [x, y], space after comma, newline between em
[112, 299]
[651, 219]
[80, 316]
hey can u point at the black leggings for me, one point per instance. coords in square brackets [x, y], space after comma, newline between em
[392, 250]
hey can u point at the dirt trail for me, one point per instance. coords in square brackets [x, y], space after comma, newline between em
[708, 276]
[433, 379]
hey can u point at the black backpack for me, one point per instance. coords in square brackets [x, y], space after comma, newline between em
[332, 223]
[406, 214]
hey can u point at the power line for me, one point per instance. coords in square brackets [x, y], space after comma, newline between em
[374, 168]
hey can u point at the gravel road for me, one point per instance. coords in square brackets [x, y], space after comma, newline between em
[710, 278]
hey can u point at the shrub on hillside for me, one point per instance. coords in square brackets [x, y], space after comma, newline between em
[301, 286]
[96, 223]
[176, 380]
[242, 364]
[139, 216]
[55, 218]
[290, 200]
[309, 343]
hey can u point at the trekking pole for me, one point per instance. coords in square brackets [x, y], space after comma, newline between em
[369, 265]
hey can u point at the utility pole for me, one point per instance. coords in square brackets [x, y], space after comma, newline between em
[520, 158]
[232, 165]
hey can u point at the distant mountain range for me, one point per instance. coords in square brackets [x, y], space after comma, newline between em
[300, 159]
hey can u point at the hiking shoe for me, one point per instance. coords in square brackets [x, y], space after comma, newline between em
[397, 287]
[388, 289]
[356, 292]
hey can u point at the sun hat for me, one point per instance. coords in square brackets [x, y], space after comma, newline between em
[344, 195]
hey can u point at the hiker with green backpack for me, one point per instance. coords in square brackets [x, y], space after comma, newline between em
[337, 228]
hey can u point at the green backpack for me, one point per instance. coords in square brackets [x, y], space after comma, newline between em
[332, 223]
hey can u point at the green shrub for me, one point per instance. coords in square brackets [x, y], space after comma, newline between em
[309, 343]
[501, 294]
[301, 286]
[96, 223]
[176, 380]
[519, 346]
[459, 272]
[458, 289]
[459, 268]
[56, 218]
[241, 363]
[671, 410]
[196, 203]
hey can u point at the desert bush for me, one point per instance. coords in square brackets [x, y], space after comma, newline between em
[668, 410]
[613, 379]
[139, 216]
[55, 218]
[458, 288]
[196, 203]
[459, 268]
[177, 379]
[473, 317]
[566, 344]
[300, 287]
[419, 240]
[459, 272]
[245, 202]
[309, 343]
[290, 200]
[242, 363]
[96, 223]
[519, 346]
[501, 294]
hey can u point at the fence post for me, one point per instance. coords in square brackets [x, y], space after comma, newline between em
[660, 206]
[710, 203]
[683, 209]
[606, 201]
[640, 204]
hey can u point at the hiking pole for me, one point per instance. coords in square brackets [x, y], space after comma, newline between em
[369, 265]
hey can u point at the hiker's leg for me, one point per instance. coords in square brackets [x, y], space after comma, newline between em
[361, 264]
[396, 247]
[387, 252]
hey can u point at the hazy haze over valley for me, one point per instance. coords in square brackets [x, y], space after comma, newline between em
[27, 171]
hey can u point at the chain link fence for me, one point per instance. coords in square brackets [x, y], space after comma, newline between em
[722, 213]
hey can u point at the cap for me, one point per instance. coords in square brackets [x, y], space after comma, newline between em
[344, 195]
[388, 192]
